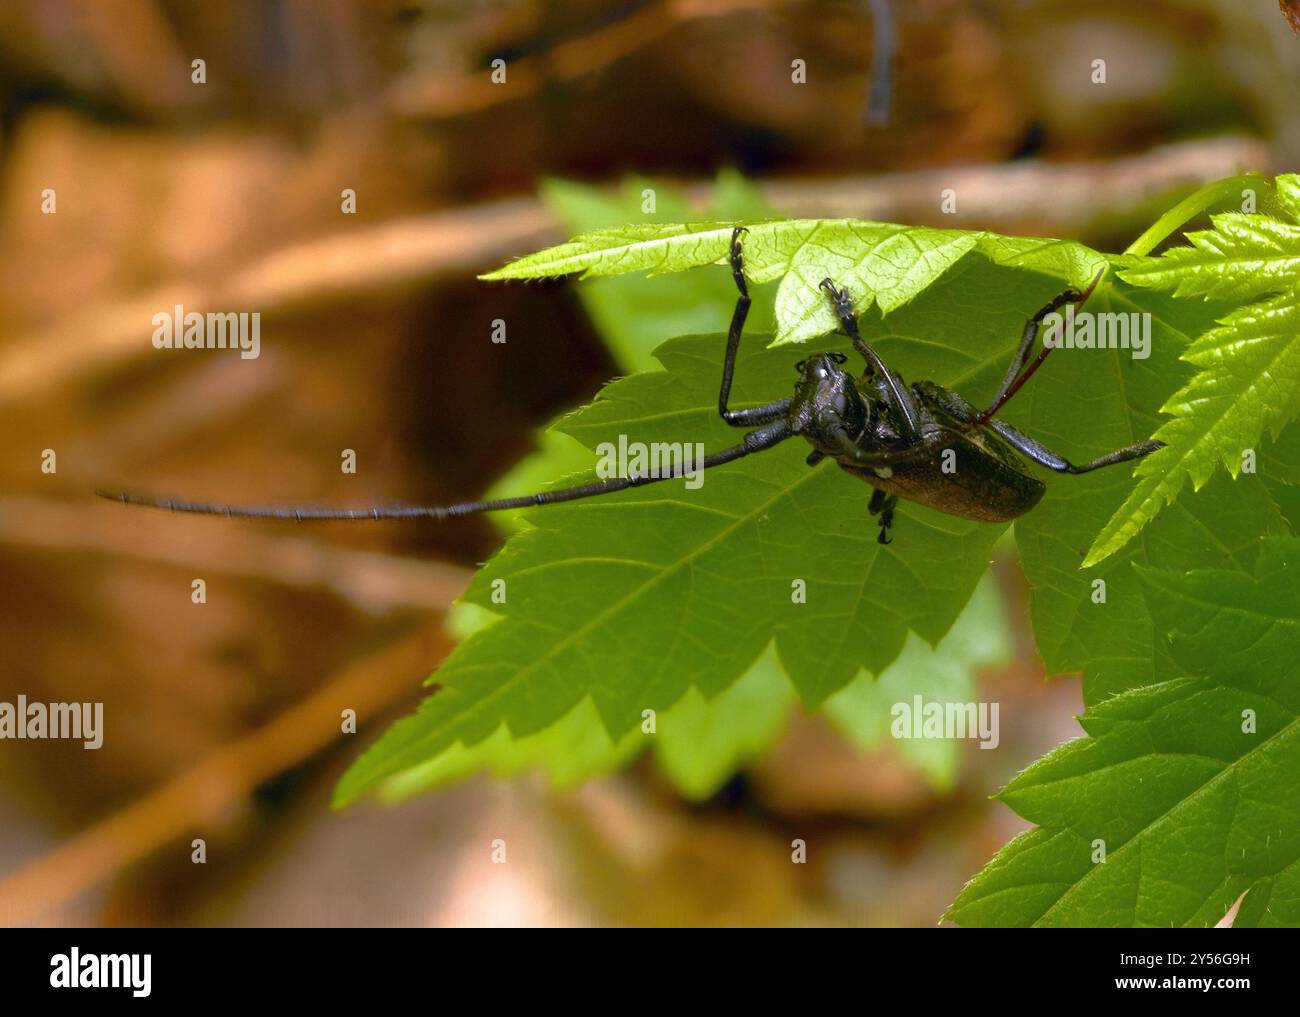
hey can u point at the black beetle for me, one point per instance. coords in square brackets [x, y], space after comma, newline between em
[919, 442]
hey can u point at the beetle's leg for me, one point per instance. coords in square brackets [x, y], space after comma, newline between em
[1027, 446]
[849, 447]
[918, 450]
[880, 501]
[1044, 456]
[883, 504]
[1014, 379]
[757, 414]
[902, 399]
[923, 449]
[814, 457]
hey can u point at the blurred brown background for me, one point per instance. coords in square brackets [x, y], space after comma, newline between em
[227, 195]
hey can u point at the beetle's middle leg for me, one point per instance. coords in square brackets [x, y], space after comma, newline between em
[757, 414]
[1027, 446]
[882, 504]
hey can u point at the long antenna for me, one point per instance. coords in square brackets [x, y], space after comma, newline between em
[755, 441]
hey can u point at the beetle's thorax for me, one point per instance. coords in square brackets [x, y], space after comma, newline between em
[827, 399]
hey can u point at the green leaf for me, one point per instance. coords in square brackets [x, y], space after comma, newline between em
[1187, 785]
[573, 749]
[679, 601]
[1279, 472]
[1249, 379]
[624, 598]
[880, 264]
[1243, 257]
[862, 710]
[1230, 191]
[772, 513]
[699, 743]
[1082, 403]
[634, 314]
[1288, 193]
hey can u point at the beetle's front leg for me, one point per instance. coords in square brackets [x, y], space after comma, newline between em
[757, 414]
[900, 399]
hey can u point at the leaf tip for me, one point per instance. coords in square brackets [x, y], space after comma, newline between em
[345, 793]
[1097, 554]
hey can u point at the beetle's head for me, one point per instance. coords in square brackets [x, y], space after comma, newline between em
[826, 399]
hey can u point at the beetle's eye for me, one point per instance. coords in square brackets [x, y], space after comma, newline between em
[799, 366]
[839, 358]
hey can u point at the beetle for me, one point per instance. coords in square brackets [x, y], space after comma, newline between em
[918, 442]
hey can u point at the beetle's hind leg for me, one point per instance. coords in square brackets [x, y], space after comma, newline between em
[1017, 374]
[758, 414]
[1044, 456]
[1027, 446]
[882, 504]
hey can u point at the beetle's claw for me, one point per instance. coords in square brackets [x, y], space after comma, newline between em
[886, 521]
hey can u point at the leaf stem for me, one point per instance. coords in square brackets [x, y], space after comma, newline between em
[1193, 205]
